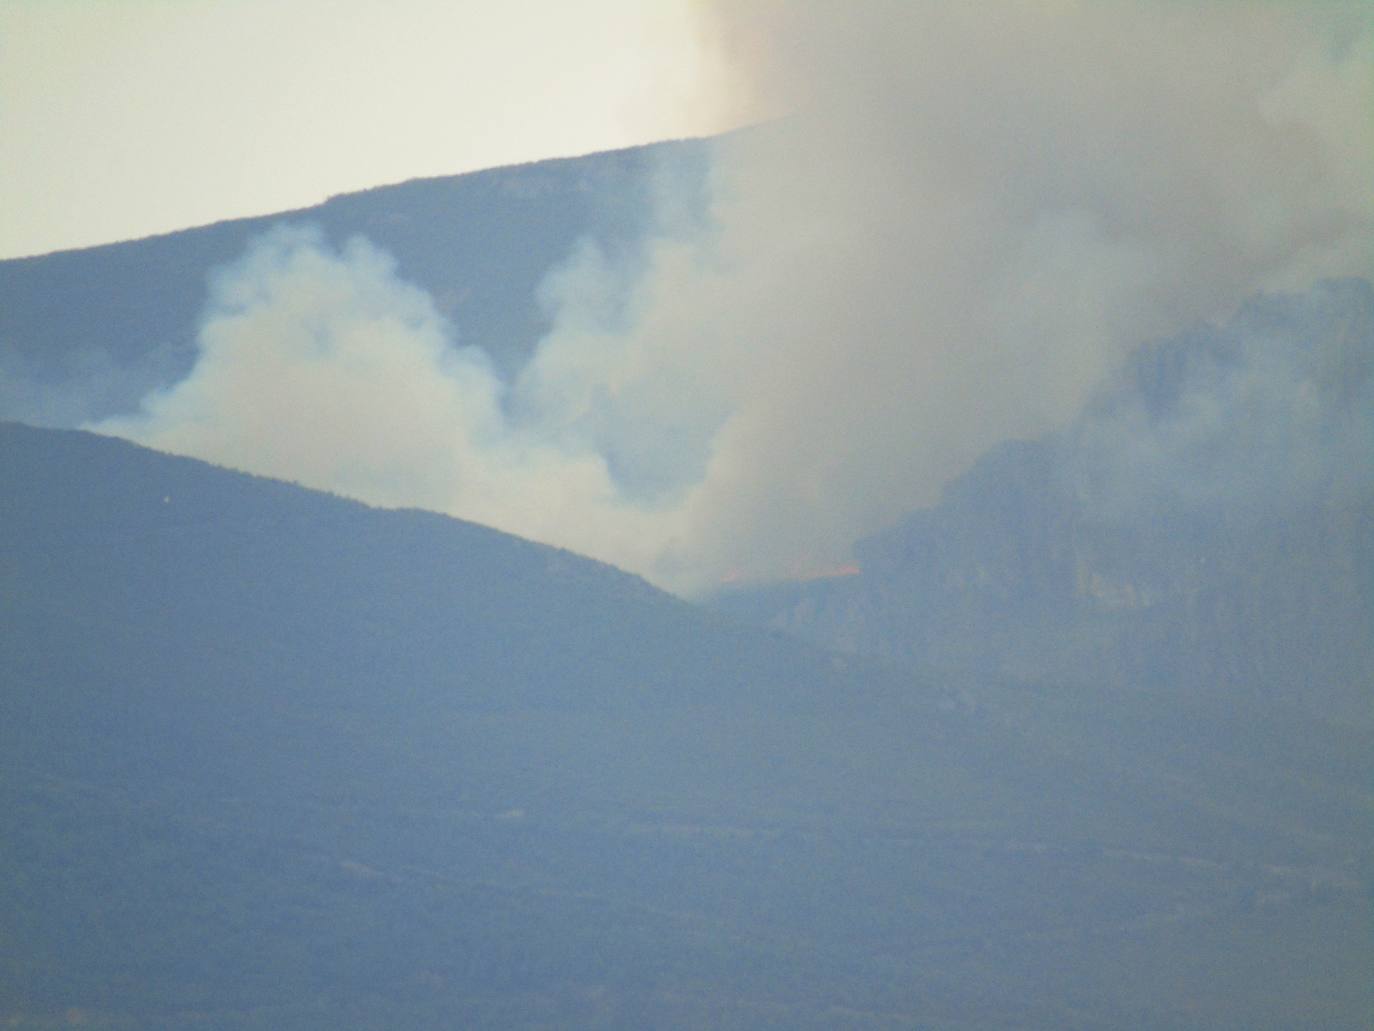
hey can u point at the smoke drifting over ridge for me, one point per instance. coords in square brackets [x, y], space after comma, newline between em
[967, 216]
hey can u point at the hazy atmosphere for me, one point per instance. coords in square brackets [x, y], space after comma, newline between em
[737, 514]
[954, 224]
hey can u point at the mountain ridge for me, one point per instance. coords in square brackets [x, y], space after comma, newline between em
[86, 334]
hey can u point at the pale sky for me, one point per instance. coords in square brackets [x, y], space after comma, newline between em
[123, 118]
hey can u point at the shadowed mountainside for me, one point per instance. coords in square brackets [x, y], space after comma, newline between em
[276, 759]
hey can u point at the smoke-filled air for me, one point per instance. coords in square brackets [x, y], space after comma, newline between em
[952, 222]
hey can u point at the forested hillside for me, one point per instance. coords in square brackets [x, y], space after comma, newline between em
[276, 759]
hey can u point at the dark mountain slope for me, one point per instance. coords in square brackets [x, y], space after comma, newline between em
[86, 334]
[274, 759]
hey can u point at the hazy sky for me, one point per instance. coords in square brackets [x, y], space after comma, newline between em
[121, 118]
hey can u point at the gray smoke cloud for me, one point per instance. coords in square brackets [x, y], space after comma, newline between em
[965, 217]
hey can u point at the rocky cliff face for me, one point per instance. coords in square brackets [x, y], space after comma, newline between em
[1207, 524]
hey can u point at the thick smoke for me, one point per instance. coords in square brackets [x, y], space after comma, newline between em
[964, 218]
[326, 369]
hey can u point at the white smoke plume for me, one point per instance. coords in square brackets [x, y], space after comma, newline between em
[326, 369]
[965, 217]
